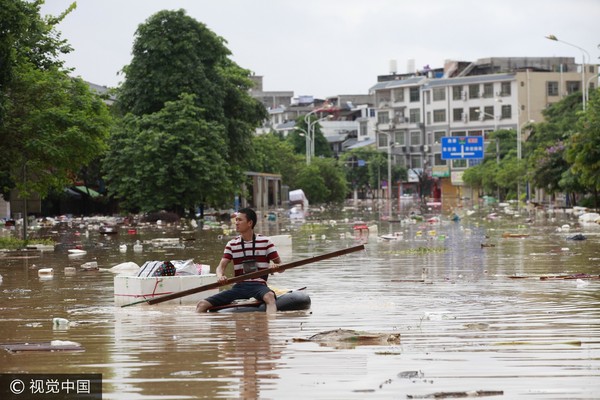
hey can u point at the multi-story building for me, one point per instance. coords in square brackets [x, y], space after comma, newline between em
[414, 111]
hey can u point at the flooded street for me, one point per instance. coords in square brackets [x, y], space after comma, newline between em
[470, 306]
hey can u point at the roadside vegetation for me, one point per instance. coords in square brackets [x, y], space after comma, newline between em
[13, 243]
[180, 133]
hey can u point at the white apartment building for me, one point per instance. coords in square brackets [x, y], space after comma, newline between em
[415, 111]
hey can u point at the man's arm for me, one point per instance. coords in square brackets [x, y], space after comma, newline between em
[221, 269]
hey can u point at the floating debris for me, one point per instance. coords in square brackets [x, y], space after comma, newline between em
[352, 337]
[449, 395]
[54, 345]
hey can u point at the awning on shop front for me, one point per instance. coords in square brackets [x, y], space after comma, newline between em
[86, 190]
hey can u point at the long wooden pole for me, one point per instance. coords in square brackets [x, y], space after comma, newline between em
[252, 275]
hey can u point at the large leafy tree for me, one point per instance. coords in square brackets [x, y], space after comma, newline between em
[51, 124]
[172, 159]
[584, 148]
[272, 154]
[175, 54]
[323, 181]
[547, 144]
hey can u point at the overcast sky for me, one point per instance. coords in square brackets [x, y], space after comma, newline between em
[330, 47]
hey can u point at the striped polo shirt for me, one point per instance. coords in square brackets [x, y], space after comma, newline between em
[261, 249]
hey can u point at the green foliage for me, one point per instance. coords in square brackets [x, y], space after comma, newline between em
[174, 54]
[172, 159]
[583, 152]
[322, 148]
[12, 243]
[421, 250]
[375, 168]
[274, 155]
[41, 108]
[323, 181]
[547, 144]
[52, 125]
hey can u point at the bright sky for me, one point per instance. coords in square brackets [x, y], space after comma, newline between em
[326, 48]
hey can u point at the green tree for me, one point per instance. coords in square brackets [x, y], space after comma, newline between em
[172, 159]
[175, 54]
[547, 144]
[52, 124]
[272, 154]
[583, 151]
[322, 148]
[323, 181]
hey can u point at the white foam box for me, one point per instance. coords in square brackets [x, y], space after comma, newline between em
[129, 289]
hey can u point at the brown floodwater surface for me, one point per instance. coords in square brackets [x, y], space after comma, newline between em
[466, 322]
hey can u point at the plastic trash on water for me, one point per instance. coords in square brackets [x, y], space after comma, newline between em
[46, 273]
[90, 265]
[60, 323]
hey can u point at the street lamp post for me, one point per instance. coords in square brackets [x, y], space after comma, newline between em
[310, 152]
[307, 137]
[309, 140]
[584, 89]
[389, 173]
[496, 123]
[311, 129]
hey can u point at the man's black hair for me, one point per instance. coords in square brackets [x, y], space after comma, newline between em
[250, 215]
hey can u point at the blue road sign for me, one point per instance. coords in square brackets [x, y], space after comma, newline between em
[462, 147]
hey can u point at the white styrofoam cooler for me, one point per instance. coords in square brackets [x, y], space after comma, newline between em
[129, 289]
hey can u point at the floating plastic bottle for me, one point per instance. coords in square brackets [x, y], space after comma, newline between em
[60, 322]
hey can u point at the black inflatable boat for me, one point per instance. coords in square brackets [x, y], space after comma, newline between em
[291, 301]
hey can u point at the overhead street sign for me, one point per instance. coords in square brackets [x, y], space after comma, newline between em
[462, 147]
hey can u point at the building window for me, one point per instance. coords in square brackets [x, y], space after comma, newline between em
[363, 129]
[414, 115]
[505, 89]
[416, 161]
[428, 116]
[438, 135]
[414, 94]
[552, 88]
[415, 138]
[383, 117]
[383, 98]
[457, 92]
[488, 113]
[506, 112]
[473, 91]
[573, 86]
[439, 94]
[439, 115]
[398, 95]
[457, 114]
[462, 163]
[399, 137]
[437, 159]
[382, 140]
[474, 113]
[488, 90]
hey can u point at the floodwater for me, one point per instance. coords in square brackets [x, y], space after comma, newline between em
[471, 317]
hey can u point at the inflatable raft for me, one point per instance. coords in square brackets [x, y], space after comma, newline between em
[291, 301]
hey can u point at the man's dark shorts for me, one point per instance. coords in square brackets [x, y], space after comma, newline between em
[242, 290]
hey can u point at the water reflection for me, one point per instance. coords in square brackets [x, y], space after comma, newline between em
[466, 321]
